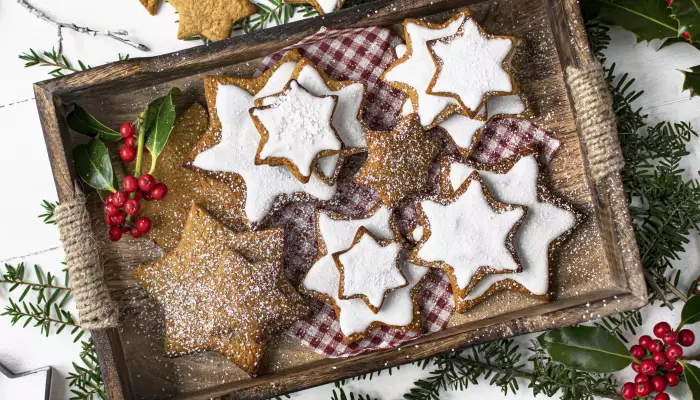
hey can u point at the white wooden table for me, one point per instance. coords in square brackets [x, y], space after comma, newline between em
[26, 176]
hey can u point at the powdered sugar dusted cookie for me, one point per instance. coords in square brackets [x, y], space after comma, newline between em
[472, 65]
[296, 130]
[322, 6]
[415, 69]
[548, 221]
[369, 269]
[232, 140]
[400, 308]
[468, 234]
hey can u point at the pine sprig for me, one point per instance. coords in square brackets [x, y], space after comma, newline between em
[59, 62]
[49, 209]
[619, 324]
[278, 13]
[86, 380]
[342, 395]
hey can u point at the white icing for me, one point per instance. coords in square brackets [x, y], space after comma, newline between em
[543, 223]
[467, 234]
[327, 6]
[508, 105]
[371, 270]
[418, 70]
[239, 142]
[400, 50]
[298, 126]
[327, 165]
[472, 65]
[462, 129]
[417, 233]
[324, 278]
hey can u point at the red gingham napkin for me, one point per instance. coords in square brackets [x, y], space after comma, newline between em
[364, 54]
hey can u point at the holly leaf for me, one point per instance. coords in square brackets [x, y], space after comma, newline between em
[646, 19]
[159, 120]
[687, 13]
[692, 81]
[691, 312]
[692, 378]
[674, 40]
[83, 122]
[93, 165]
[586, 348]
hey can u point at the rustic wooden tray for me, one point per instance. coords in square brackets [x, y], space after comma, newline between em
[596, 273]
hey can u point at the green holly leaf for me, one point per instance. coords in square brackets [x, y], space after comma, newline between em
[691, 309]
[159, 122]
[692, 81]
[93, 165]
[692, 378]
[646, 19]
[674, 40]
[586, 348]
[83, 122]
[687, 13]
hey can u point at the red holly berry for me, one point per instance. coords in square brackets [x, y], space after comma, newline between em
[647, 367]
[635, 367]
[147, 196]
[108, 220]
[131, 184]
[661, 328]
[120, 198]
[637, 351]
[628, 392]
[138, 195]
[159, 192]
[656, 346]
[114, 233]
[645, 341]
[127, 153]
[658, 383]
[126, 130]
[686, 337]
[659, 358]
[670, 337]
[131, 141]
[686, 36]
[662, 396]
[641, 378]
[132, 206]
[109, 198]
[143, 224]
[677, 369]
[642, 388]
[135, 233]
[672, 379]
[147, 182]
[118, 218]
[125, 229]
[111, 210]
[674, 352]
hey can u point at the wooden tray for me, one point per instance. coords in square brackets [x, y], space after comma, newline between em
[597, 271]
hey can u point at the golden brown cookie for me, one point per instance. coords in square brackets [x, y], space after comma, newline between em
[322, 6]
[468, 234]
[398, 161]
[150, 5]
[177, 283]
[212, 19]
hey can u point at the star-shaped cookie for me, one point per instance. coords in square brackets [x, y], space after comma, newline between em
[232, 141]
[322, 6]
[296, 130]
[150, 5]
[213, 19]
[472, 65]
[177, 283]
[549, 220]
[468, 235]
[398, 161]
[369, 269]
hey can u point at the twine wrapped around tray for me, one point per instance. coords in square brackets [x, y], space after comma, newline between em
[85, 270]
[595, 118]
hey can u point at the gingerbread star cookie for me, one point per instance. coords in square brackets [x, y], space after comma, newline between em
[177, 283]
[150, 5]
[398, 161]
[369, 269]
[468, 235]
[296, 130]
[213, 19]
[322, 6]
[549, 220]
[400, 308]
[232, 141]
[415, 69]
[472, 65]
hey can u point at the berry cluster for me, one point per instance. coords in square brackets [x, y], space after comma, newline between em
[657, 362]
[128, 151]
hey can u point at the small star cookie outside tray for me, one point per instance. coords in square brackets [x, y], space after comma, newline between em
[398, 161]
[212, 19]
[468, 235]
[296, 130]
[176, 281]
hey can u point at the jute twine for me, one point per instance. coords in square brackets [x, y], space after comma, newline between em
[595, 118]
[85, 271]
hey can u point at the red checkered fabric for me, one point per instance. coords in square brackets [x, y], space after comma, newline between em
[363, 55]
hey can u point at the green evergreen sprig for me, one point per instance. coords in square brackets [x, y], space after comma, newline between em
[48, 215]
[86, 380]
[59, 62]
[342, 395]
[278, 13]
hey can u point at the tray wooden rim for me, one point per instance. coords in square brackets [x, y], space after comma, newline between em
[627, 292]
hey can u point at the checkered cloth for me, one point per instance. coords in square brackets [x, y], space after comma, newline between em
[363, 55]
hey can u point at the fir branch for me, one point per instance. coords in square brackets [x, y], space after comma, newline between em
[341, 395]
[624, 322]
[58, 62]
[278, 13]
[48, 215]
[86, 379]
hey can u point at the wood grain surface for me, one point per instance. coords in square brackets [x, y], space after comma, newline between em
[596, 272]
